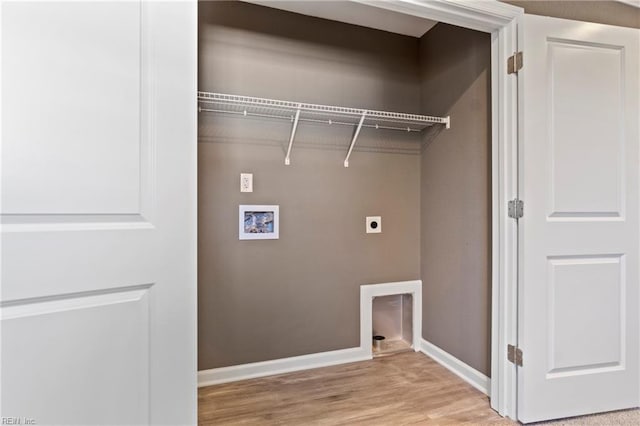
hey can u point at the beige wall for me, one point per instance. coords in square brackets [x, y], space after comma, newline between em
[261, 300]
[456, 195]
[604, 12]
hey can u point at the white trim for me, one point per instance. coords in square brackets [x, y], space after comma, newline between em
[634, 3]
[459, 368]
[504, 230]
[480, 15]
[368, 292]
[253, 370]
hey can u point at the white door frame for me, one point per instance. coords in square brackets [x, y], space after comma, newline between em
[501, 21]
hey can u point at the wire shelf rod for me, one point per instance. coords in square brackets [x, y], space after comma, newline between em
[208, 97]
[288, 111]
[311, 120]
[298, 111]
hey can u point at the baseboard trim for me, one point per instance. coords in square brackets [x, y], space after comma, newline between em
[254, 370]
[459, 368]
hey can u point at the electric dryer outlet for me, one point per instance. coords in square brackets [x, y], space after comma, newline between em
[374, 224]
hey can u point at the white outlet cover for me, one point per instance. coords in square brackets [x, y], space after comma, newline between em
[246, 182]
[374, 224]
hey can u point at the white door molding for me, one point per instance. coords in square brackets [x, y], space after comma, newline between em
[501, 20]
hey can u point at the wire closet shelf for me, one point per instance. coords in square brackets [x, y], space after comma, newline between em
[297, 112]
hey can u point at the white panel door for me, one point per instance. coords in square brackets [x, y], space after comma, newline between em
[578, 293]
[98, 300]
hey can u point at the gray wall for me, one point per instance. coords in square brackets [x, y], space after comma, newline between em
[604, 12]
[456, 195]
[261, 300]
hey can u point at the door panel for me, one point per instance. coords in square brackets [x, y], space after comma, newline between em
[578, 290]
[586, 315]
[96, 348]
[98, 301]
[585, 129]
[83, 154]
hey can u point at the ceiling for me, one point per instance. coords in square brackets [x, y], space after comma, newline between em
[355, 13]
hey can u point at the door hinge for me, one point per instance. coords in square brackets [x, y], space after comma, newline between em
[514, 63]
[514, 355]
[516, 208]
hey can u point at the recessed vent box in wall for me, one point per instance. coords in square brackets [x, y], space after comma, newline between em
[392, 319]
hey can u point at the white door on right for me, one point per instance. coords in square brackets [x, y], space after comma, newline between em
[578, 287]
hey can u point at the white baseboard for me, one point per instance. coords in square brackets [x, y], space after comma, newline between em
[278, 366]
[459, 368]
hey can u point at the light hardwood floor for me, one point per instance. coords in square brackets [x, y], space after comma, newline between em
[406, 388]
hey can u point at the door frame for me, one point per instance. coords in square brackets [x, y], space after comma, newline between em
[501, 21]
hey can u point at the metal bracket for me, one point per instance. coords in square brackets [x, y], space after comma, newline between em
[515, 63]
[287, 159]
[516, 209]
[355, 136]
[514, 355]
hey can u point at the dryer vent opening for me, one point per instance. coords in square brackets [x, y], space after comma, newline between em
[392, 324]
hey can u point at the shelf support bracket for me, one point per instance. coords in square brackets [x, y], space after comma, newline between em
[287, 159]
[355, 136]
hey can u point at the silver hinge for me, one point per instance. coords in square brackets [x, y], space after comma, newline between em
[514, 355]
[516, 208]
[514, 63]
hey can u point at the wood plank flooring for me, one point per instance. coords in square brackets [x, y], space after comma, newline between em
[406, 388]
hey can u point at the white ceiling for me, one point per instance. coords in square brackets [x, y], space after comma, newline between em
[355, 13]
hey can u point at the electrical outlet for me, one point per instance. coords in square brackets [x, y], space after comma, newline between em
[374, 224]
[246, 182]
